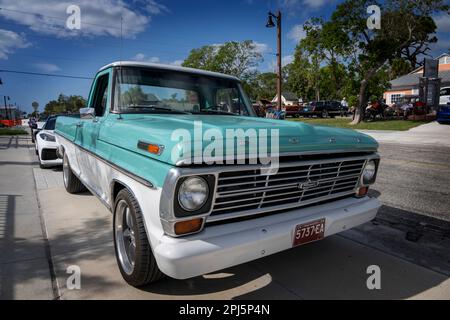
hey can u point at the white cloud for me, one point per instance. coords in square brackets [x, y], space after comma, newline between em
[144, 58]
[155, 8]
[10, 41]
[297, 33]
[98, 18]
[176, 62]
[316, 3]
[301, 4]
[261, 47]
[285, 60]
[47, 67]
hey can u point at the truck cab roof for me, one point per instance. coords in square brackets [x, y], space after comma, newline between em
[166, 67]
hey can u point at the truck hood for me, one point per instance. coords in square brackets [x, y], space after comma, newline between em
[294, 136]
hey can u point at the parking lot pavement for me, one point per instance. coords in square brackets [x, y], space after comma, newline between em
[81, 235]
[334, 268]
[24, 267]
[432, 133]
[79, 230]
[415, 179]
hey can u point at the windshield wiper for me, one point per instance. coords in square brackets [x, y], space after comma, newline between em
[157, 108]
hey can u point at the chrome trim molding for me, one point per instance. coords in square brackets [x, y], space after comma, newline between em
[166, 210]
[187, 162]
[118, 168]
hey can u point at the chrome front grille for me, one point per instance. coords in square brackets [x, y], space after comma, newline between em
[294, 184]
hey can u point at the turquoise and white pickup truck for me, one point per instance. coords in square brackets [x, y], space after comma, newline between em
[183, 208]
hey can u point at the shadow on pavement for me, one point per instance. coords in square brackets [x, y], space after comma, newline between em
[7, 142]
[334, 268]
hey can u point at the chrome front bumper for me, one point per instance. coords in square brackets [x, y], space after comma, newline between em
[222, 246]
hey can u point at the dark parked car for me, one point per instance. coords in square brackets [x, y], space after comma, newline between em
[443, 115]
[292, 110]
[322, 109]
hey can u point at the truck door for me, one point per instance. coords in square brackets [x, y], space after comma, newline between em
[87, 135]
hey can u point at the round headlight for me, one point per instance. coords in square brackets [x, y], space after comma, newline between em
[369, 171]
[193, 193]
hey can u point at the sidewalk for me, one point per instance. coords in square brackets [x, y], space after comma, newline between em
[431, 133]
[24, 268]
[334, 268]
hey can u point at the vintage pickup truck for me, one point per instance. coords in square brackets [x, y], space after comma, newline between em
[185, 217]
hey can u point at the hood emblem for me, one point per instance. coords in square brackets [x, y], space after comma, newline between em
[332, 140]
[308, 184]
[294, 140]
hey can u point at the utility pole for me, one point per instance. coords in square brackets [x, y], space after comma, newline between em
[6, 107]
[271, 24]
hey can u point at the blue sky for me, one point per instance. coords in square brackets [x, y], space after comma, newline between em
[33, 37]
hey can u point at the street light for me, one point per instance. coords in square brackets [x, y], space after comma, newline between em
[271, 24]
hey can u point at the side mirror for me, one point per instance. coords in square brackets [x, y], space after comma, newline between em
[34, 126]
[87, 113]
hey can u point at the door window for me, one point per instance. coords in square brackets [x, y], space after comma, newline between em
[101, 95]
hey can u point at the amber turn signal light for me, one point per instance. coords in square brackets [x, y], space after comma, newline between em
[150, 147]
[153, 148]
[188, 226]
[362, 191]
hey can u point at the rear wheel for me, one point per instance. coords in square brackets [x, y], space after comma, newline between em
[324, 114]
[134, 255]
[71, 181]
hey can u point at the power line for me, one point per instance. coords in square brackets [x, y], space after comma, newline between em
[45, 74]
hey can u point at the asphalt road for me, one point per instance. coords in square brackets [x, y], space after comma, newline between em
[415, 178]
[44, 230]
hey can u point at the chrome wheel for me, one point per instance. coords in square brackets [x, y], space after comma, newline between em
[125, 239]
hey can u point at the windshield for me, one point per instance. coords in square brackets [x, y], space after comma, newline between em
[140, 90]
[50, 124]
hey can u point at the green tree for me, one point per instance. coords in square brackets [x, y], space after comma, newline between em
[399, 67]
[202, 58]
[265, 85]
[300, 79]
[403, 24]
[325, 43]
[65, 104]
[235, 58]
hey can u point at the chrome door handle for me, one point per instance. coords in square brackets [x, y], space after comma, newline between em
[79, 124]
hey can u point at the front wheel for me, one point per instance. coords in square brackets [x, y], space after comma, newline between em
[71, 181]
[134, 255]
[324, 114]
